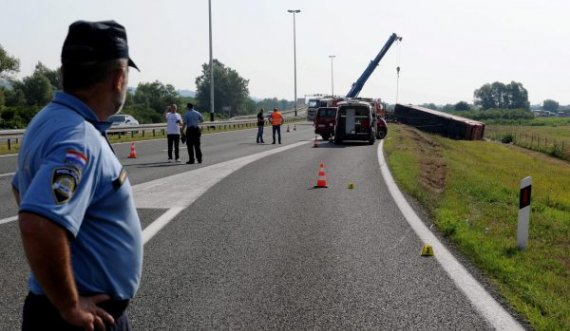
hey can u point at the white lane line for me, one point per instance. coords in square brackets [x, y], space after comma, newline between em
[490, 309]
[151, 230]
[179, 191]
[8, 220]
[6, 175]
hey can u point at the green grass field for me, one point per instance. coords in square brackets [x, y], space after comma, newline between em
[546, 135]
[477, 209]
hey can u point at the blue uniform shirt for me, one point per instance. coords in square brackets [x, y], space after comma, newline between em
[69, 174]
[192, 118]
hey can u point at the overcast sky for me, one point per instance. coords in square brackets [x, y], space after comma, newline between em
[449, 48]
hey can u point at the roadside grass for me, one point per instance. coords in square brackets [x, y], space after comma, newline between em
[551, 137]
[478, 211]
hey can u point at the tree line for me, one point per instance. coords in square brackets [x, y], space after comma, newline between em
[21, 99]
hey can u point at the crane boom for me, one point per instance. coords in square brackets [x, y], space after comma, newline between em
[356, 87]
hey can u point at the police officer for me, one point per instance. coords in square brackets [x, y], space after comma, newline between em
[78, 222]
[192, 119]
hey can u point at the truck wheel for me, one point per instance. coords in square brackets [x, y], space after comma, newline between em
[380, 134]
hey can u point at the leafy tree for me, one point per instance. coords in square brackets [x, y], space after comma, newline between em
[156, 96]
[15, 96]
[269, 103]
[550, 105]
[8, 64]
[501, 96]
[462, 106]
[429, 106]
[37, 89]
[54, 76]
[144, 114]
[230, 89]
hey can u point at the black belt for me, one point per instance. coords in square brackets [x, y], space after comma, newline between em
[114, 307]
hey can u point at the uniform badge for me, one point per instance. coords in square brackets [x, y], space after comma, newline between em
[64, 181]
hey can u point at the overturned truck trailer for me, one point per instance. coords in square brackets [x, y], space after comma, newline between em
[434, 121]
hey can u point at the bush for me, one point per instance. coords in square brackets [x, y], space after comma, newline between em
[507, 139]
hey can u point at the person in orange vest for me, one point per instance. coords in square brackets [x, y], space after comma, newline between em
[276, 120]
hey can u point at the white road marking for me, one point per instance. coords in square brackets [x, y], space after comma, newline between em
[8, 220]
[489, 308]
[6, 175]
[151, 230]
[179, 191]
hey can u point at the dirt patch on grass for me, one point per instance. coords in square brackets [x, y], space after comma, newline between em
[433, 169]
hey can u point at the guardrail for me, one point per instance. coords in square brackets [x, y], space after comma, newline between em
[12, 138]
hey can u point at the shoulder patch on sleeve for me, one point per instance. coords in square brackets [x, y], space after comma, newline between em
[64, 181]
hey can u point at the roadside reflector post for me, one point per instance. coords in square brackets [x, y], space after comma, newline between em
[524, 213]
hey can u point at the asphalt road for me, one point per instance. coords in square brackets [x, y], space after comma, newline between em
[261, 248]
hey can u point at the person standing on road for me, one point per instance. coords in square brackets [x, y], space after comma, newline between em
[192, 120]
[260, 125]
[276, 120]
[173, 122]
[79, 226]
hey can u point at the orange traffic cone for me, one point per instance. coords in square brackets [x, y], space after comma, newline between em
[322, 181]
[133, 153]
[316, 143]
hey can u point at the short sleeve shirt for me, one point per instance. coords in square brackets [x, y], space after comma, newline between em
[68, 173]
[192, 118]
[173, 122]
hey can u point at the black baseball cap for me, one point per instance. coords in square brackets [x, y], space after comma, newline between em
[95, 42]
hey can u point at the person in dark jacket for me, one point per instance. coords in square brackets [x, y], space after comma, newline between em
[260, 125]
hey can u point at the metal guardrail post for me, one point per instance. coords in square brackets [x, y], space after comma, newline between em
[9, 147]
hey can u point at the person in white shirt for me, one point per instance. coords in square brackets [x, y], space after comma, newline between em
[173, 122]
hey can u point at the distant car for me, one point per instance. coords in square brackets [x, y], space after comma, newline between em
[122, 120]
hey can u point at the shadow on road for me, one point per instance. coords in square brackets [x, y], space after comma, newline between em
[155, 164]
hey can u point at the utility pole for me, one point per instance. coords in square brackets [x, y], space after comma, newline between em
[332, 74]
[295, 11]
[211, 65]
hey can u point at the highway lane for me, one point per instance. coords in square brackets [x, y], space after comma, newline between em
[151, 162]
[262, 249]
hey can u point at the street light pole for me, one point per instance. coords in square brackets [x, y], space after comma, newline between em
[332, 74]
[295, 11]
[211, 65]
